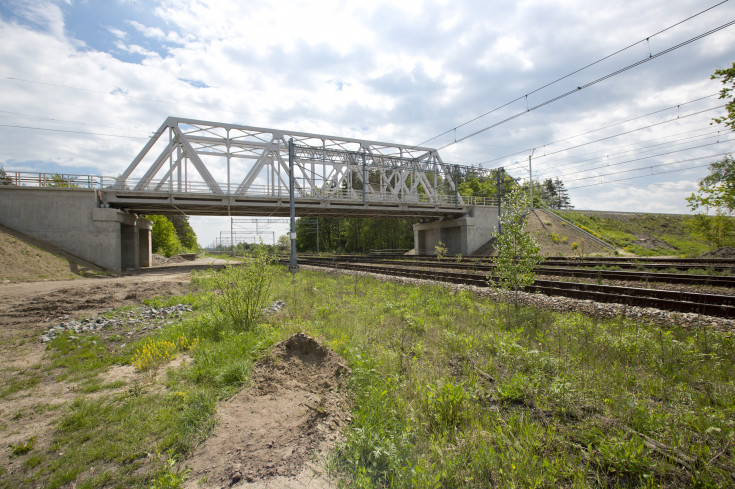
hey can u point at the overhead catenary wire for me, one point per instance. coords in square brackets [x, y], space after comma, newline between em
[54, 119]
[72, 131]
[564, 175]
[525, 96]
[613, 156]
[525, 151]
[589, 84]
[587, 143]
[639, 176]
[648, 167]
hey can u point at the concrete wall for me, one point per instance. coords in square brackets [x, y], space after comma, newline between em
[464, 235]
[71, 220]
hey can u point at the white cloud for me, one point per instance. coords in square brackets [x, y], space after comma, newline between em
[407, 71]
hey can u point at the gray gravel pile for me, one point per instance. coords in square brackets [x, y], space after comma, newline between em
[141, 319]
[274, 307]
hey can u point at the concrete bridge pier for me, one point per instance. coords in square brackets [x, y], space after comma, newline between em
[71, 219]
[465, 235]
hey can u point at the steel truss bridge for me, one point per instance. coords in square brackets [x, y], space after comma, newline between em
[209, 168]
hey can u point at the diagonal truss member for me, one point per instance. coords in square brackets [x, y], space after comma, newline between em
[200, 157]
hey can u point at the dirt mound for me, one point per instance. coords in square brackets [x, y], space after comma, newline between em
[724, 252]
[651, 243]
[557, 238]
[269, 434]
[162, 260]
[24, 259]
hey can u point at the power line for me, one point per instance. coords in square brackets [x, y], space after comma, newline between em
[646, 40]
[62, 120]
[640, 176]
[647, 167]
[545, 171]
[546, 155]
[70, 131]
[524, 151]
[589, 84]
[638, 159]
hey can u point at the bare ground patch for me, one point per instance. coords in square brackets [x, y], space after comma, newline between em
[271, 433]
[32, 411]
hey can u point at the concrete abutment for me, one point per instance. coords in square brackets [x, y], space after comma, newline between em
[72, 220]
[464, 235]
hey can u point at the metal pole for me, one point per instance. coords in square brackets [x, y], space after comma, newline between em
[232, 240]
[530, 178]
[293, 266]
[456, 186]
[317, 235]
[364, 192]
[501, 185]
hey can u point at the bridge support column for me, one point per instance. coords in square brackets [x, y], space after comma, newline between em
[466, 235]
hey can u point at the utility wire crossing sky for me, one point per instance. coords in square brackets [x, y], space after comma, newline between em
[589, 87]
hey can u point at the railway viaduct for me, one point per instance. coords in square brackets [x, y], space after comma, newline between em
[197, 167]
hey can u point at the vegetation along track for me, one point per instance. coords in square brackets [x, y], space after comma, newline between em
[680, 301]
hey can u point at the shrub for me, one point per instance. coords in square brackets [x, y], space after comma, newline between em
[243, 290]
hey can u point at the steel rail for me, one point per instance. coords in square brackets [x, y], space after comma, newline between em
[637, 276]
[679, 301]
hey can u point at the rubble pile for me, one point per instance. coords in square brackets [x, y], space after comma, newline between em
[140, 319]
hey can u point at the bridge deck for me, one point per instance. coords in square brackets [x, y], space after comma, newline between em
[147, 202]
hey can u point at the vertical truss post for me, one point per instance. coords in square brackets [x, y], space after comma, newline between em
[456, 186]
[364, 178]
[293, 265]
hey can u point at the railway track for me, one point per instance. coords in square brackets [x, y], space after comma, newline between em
[620, 263]
[680, 301]
[595, 274]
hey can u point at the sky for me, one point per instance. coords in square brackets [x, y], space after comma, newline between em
[614, 98]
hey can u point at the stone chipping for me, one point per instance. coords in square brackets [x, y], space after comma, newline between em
[144, 319]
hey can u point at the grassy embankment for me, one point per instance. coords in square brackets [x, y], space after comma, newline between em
[624, 230]
[447, 390]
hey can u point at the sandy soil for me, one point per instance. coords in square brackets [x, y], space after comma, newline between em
[274, 433]
[24, 310]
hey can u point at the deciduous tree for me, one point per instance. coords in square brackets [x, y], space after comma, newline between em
[518, 253]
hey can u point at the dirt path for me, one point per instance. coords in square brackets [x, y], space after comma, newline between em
[26, 309]
[271, 434]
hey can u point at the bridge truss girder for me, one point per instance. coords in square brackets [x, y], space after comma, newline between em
[198, 158]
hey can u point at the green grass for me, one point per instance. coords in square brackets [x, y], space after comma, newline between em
[452, 391]
[446, 390]
[623, 230]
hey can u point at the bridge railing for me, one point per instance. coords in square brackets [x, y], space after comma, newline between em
[78, 181]
[57, 180]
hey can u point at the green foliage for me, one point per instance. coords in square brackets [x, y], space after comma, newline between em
[283, 243]
[553, 193]
[517, 251]
[727, 77]
[59, 181]
[169, 477]
[164, 239]
[440, 250]
[185, 233]
[22, 448]
[716, 190]
[353, 235]
[623, 231]
[242, 291]
[4, 178]
[717, 230]
[446, 390]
